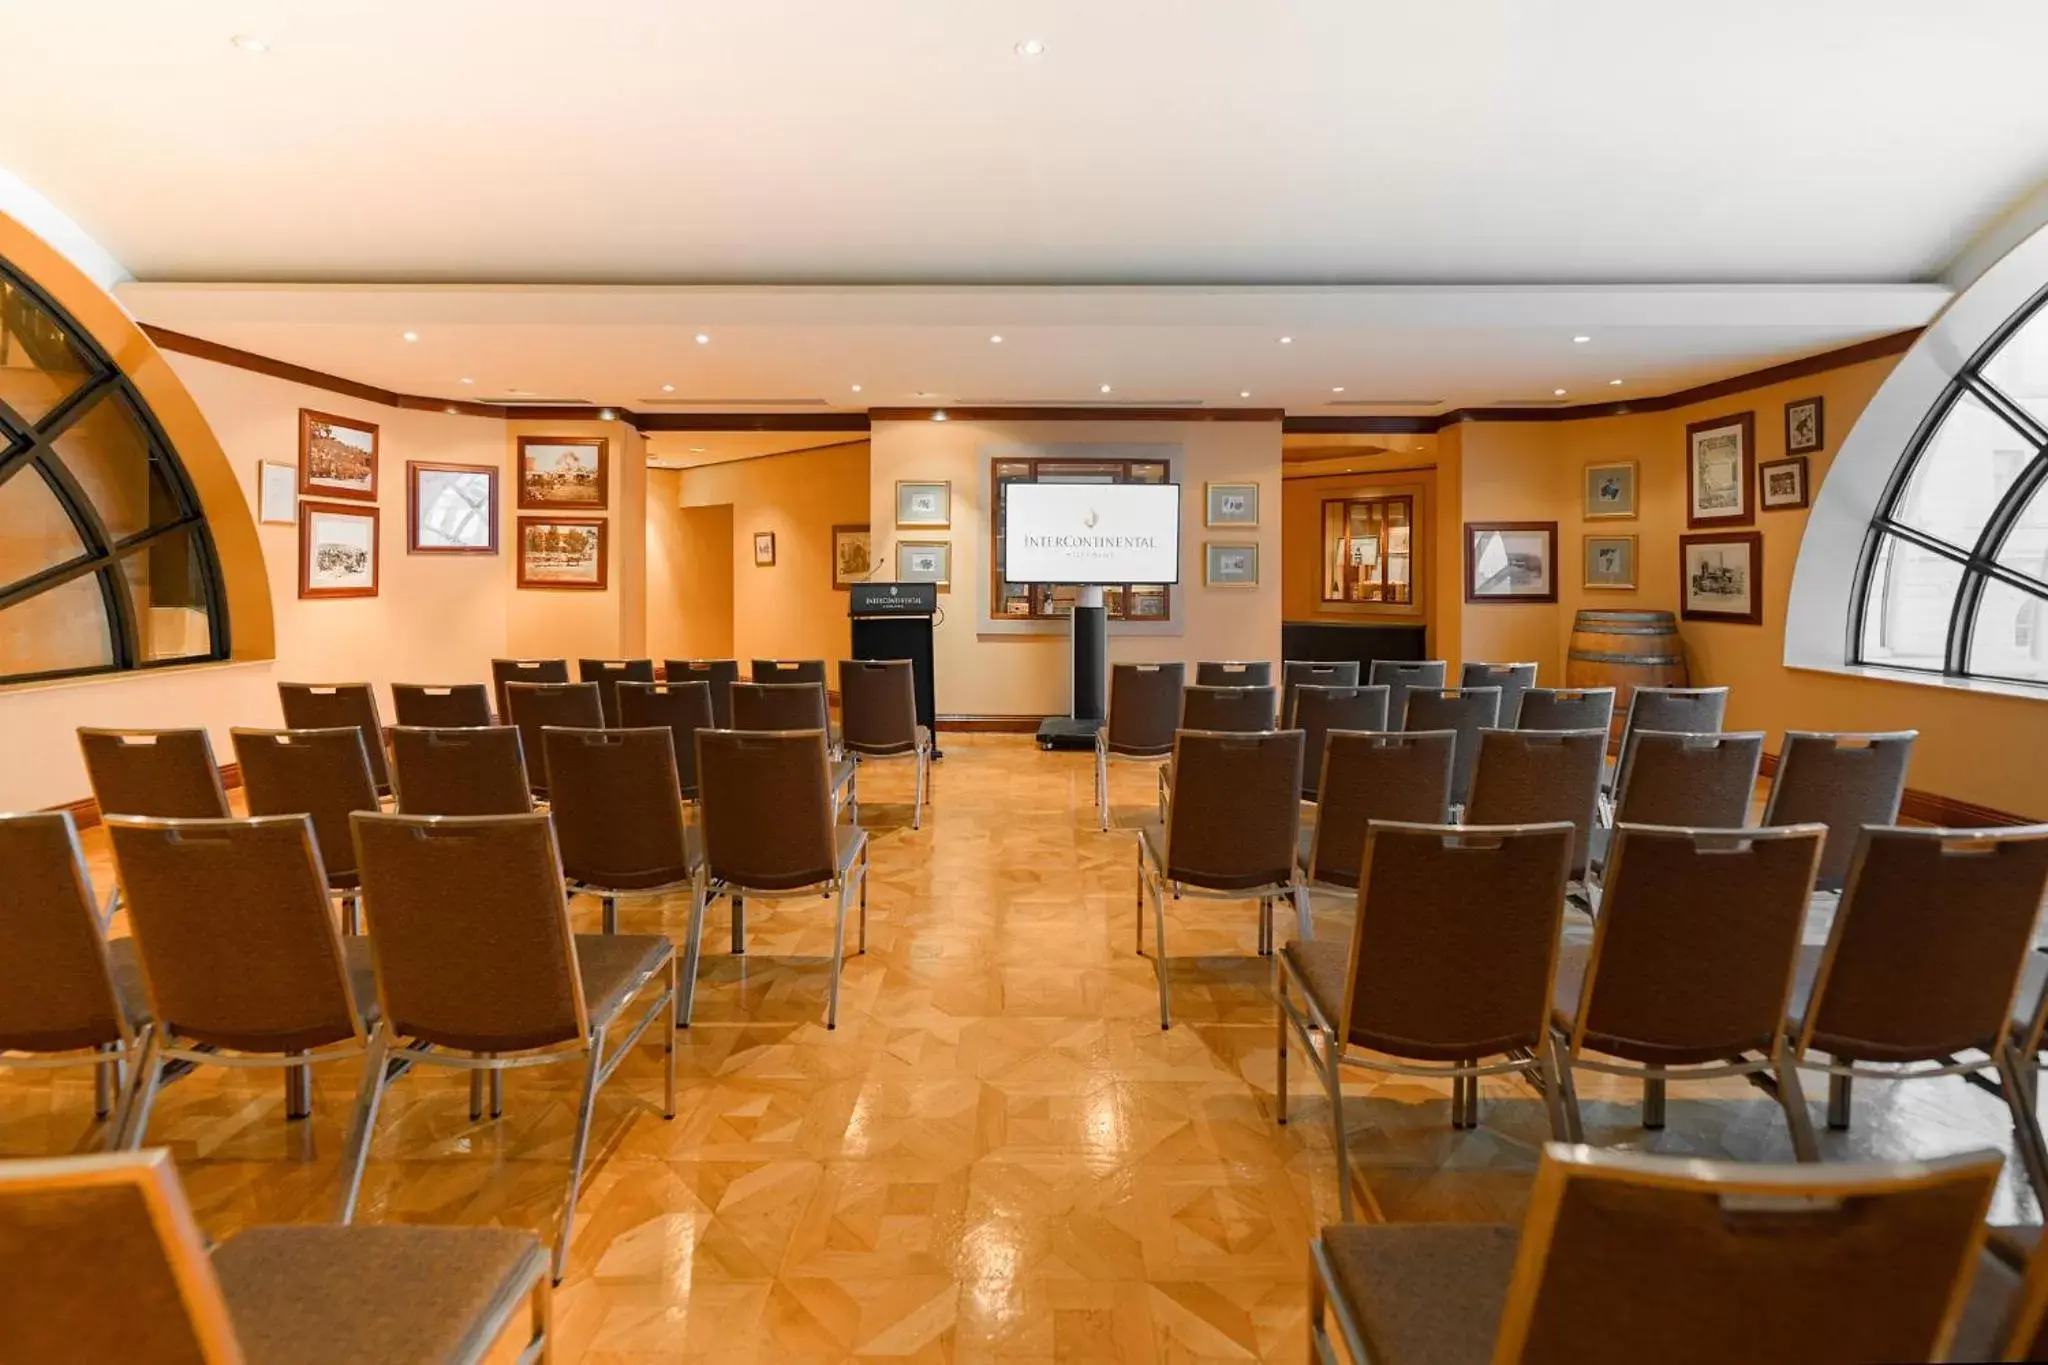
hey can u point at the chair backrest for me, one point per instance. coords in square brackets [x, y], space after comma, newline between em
[1235, 819]
[684, 707]
[1566, 708]
[774, 671]
[56, 987]
[1513, 680]
[1697, 942]
[1313, 673]
[237, 939]
[1699, 781]
[72, 1229]
[326, 706]
[535, 706]
[718, 674]
[167, 773]
[1455, 943]
[504, 671]
[1532, 777]
[324, 774]
[1845, 782]
[472, 938]
[1233, 673]
[878, 706]
[446, 707]
[779, 706]
[467, 770]
[1465, 712]
[608, 674]
[1925, 954]
[1674, 710]
[1403, 776]
[618, 807]
[1237, 710]
[1625, 1258]
[767, 812]
[2023, 1327]
[1401, 674]
[1144, 708]
[1319, 710]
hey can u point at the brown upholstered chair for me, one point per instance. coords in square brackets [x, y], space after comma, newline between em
[1624, 1258]
[1672, 710]
[478, 969]
[1232, 673]
[1690, 972]
[1399, 675]
[1295, 673]
[683, 707]
[1403, 776]
[1144, 711]
[431, 707]
[327, 706]
[770, 833]
[535, 706]
[618, 808]
[1450, 964]
[67, 996]
[878, 703]
[1566, 708]
[1319, 710]
[785, 671]
[1227, 710]
[166, 773]
[1231, 831]
[1531, 777]
[239, 953]
[507, 671]
[608, 674]
[101, 1260]
[1464, 712]
[718, 674]
[1687, 781]
[469, 770]
[1844, 781]
[1513, 680]
[2007, 1318]
[323, 774]
[777, 708]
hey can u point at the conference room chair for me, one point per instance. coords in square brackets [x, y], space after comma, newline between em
[1924, 963]
[117, 1269]
[1845, 781]
[1625, 1257]
[1686, 781]
[68, 997]
[1234, 710]
[2007, 1317]
[322, 774]
[878, 720]
[1399, 675]
[718, 674]
[1673, 710]
[1447, 975]
[1403, 776]
[1464, 712]
[618, 808]
[784, 671]
[1533, 777]
[796, 707]
[1233, 673]
[608, 674]
[1513, 680]
[1690, 973]
[507, 671]
[166, 773]
[432, 707]
[535, 706]
[1232, 831]
[1566, 708]
[322, 706]
[479, 970]
[1144, 711]
[771, 833]
[1296, 673]
[241, 959]
[468, 770]
[683, 707]
[1319, 710]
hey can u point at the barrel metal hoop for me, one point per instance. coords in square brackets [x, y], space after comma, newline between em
[1641, 660]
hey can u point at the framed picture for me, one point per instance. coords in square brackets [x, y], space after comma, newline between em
[1609, 491]
[1804, 432]
[337, 550]
[1720, 577]
[337, 456]
[925, 561]
[1510, 561]
[924, 504]
[1781, 484]
[563, 471]
[1610, 562]
[1720, 471]
[1230, 565]
[1230, 504]
[277, 493]
[853, 550]
[451, 509]
[764, 549]
[562, 552]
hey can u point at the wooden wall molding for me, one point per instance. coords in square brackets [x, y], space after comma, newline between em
[1932, 808]
[85, 814]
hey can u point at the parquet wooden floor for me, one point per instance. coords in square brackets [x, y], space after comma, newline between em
[998, 1156]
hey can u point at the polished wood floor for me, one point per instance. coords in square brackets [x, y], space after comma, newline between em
[998, 1156]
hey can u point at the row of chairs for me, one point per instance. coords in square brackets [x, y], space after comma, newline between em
[719, 674]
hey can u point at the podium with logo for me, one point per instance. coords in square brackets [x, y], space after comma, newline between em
[894, 621]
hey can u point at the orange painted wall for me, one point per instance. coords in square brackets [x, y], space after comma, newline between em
[1301, 546]
[689, 573]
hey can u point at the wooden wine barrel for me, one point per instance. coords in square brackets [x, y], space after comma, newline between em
[1625, 650]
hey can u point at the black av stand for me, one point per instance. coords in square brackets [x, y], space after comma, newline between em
[1088, 705]
[894, 621]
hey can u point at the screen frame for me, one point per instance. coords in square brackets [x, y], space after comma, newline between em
[1009, 539]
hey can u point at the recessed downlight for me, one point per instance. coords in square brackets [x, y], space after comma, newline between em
[668, 388]
[606, 414]
[1337, 388]
[939, 416]
[1614, 383]
[1105, 388]
[703, 339]
[696, 450]
[1244, 393]
[856, 388]
[1558, 392]
[996, 340]
[1286, 341]
[465, 380]
[249, 43]
[409, 336]
[1580, 340]
[1031, 47]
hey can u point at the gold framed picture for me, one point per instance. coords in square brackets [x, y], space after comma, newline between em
[1610, 563]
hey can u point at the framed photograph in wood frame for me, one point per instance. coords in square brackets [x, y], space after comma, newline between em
[451, 509]
[1510, 561]
[1608, 491]
[764, 549]
[565, 472]
[1781, 484]
[925, 504]
[1805, 429]
[1720, 472]
[1610, 563]
[567, 553]
[1720, 577]
[853, 555]
[337, 456]
[337, 550]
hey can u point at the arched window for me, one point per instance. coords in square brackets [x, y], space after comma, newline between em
[105, 559]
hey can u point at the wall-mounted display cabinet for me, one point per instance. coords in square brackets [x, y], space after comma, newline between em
[1369, 551]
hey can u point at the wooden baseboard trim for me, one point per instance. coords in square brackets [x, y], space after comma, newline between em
[991, 725]
[1919, 807]
[85, 814]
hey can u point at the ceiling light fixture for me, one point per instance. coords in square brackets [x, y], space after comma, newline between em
[606, 414]
[410, 336]
[1031, 47]
[939, 416]
[703, 339]
[996, 340]
[1614, 383]
[1558, 392]
[856, 388]
[668, 388]
[248, 43]
[696, 450]
[1580, 340]
[1337, 389]
[465, 380]
[1286, 341]
[1105, 388]
[1244, 393]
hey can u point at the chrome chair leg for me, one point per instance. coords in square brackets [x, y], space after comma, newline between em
[1567, 1088]
[106, 1083]
[693, 949]
[148, 1075]
[863, 903]
[1334, 1088]
[1304, 923]
[576, 1154]
[496, 1086]
[1280, 1045]
[362, 1125]
[838, 959]
[1553, 1097]
[476, 1096]
[1159, 951]
[1792, 1097]
[675, 1001]
[611, 913]
[2013, 1070]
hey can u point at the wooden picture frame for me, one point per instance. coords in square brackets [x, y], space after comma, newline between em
[330, 446]
[911, 498]
[1220, 570]
[1720, 472]
[548, 489]
[849, 567]
[1230, 506]
[1805, 425]
[1514, 538]
[1745, 596]
[764, 549]
[417, 536]
[1594, 573]
[1781, 485]
[528, 526]
[335, 561]
[1609, 490]
[907, 572]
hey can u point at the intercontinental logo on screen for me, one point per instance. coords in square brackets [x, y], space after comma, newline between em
[1088, 543]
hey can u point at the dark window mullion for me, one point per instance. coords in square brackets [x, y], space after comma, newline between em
[56, 576]
[2009, 412]
[1962, 625]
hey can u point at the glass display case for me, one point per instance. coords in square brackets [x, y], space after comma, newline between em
[1368, 554]
[1050, 602]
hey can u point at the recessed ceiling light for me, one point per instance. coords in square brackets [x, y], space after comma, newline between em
[922, 393]
[1580, 340]
[668, 388]
[1244, 393]
[995, 340]
[410, 336]
[856, 388]
[1031, 47]
[703, 339]
[939, 416]
[465, 380]
[1337, 389]
[606, 414]
[449, 408]
[1286, 341]
[1105, 388]
[696, 450]
[248, 43]
[1558, 392]
[1616, 383]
